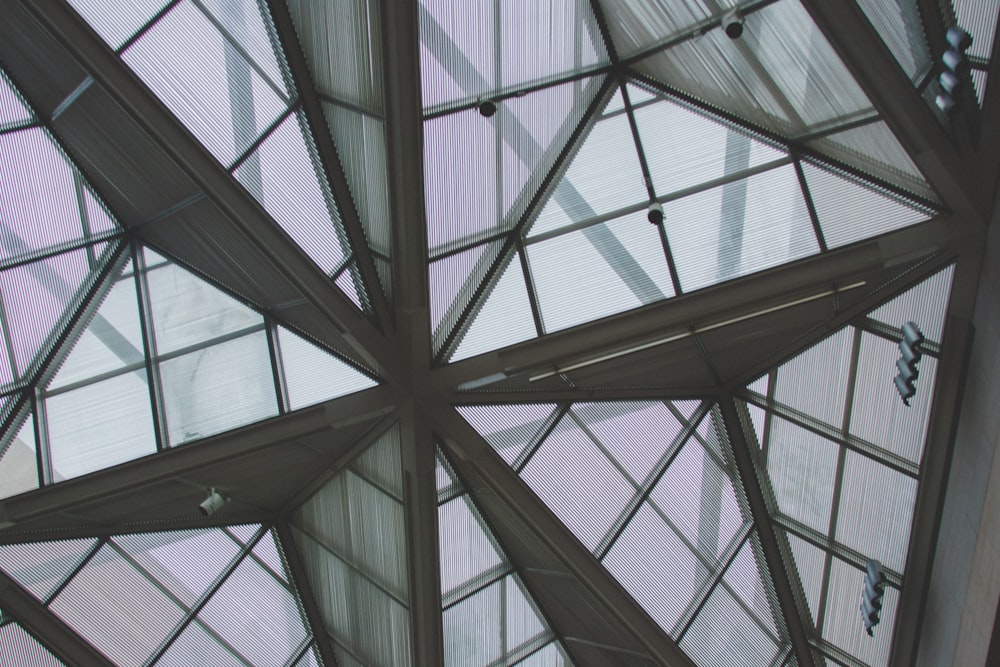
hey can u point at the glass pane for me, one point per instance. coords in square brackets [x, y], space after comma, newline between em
[313, 375]
[19, 463]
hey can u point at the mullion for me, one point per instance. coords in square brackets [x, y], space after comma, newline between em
[478, 583]
[654, 476]
[140, 275]
[695, 606]
[81, 203]
[301, 652]
[76, 570]
[529, 285]
[207, 595]
[277, 365]
[811, 206]
[554, 418]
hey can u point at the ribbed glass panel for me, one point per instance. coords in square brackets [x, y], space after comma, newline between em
[635, 433]
[842, 624]
[636, 25]
[343, 44]
[19, 649]
[382, 463]
[444, 479]
[40, 197]
[850, 211]
[803, 468]
[599, 271]
[117, 609]
[466, 550]
[282, 175]
[363, 526]
[504, 319]
[112, 339]
[313, 375]
[509, 429]
[13, 110]
[584, 489]
[37, 297]
[100, 425]
[876, 510]
[760, 385]
[266, 553]
[782, 73]
[186, 310]
[244, 533]
[453, 282]
[878, 414]
[349, 285]
[724, 635]
[360, 616]
[475, 48]
[19, 463]
[115, 24]
[257, 615]
[551, 655]
[698, 499]
[809, 562]
[898, 23]
[747, 578]
[979, 18]
[925, 304]
[523, 624]
[195, 646]
[979, 79]
[757, 418]
[739, 228]
[874, 149]
[815, 382]
[39, 567]
[603, 177]
[361, 146]
[685, 149]
[249, 27]
[656, 568]
[185, 563]
[218, 388]
[213, 89]
[311, 659]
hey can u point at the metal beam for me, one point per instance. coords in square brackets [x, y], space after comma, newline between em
[108, 71]
[300, 582]
[53, 634]
[405, 159]
[423, 561]
[329, 157]
[876, 71]
[709, 306]
[493, 484]
[793, 607]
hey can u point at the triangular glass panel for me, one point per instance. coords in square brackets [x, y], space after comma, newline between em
[849, 210]
[604, 177]
[511, 153]
[504, 319]
[642, 25]
[900, 27]
[361, 147]
[480, 48]
[215, 90]
[685, 149]
[19, 461]
[351, 537]
[843, 457]
[13, 109]
[311, 659]
[488, 615]
[660, 496]
[116, 25]
[738, 617]
[512, 430]
[453, 281]
[17, 647]
[41, 567]
[781, 74]
[313, 375]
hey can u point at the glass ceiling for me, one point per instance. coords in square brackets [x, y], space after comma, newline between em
[762, 152]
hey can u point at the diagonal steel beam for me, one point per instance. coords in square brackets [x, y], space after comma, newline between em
[876, 71]
[329, 157]
[111, 74]
[792, 607]
[494, 485]
[423, 561]
[53, 634]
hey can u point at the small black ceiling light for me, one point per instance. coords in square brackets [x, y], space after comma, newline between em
[732, 23]
[655, 213]
[487, 108]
